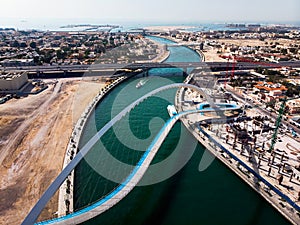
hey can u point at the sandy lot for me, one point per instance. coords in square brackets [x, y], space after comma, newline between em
[211, 54]
[34, 133]
[257, 42]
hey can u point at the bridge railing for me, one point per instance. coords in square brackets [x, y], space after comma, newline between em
[32, 216]
[260, 178]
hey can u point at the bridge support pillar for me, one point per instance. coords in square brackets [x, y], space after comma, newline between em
[184, 71]
[146, 73]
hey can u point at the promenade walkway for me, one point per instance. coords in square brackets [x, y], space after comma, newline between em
[131, 181]
[260, 170]
[37, 209]
[124, 188]
[65, 203]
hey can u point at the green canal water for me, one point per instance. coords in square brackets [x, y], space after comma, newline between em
[211, 197]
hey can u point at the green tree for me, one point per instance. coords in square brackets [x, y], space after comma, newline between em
[23, 45]
[15, 44]
[293, 50]
[32, 44]
[258, 70]
[283, 51]
[105, 42]
[271, 104]
[61, 54]
[86, 53]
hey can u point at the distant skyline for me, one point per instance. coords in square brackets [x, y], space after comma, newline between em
[166, 11]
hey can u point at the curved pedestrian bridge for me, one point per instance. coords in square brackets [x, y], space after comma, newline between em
[134, 177]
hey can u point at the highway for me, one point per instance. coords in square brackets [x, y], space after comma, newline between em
[135, 66]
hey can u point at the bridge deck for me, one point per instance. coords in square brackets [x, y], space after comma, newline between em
[133, 66]
[131, 181]
[123, 189]
[127, 185]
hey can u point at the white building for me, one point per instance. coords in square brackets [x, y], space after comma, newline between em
[17, 62]
[293, 106]
[12, 81]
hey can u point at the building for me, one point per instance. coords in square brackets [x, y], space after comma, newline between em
[17, 62]
[12, 82]
[270, 88]
[293, 106]
[254, 27]
[268, 91]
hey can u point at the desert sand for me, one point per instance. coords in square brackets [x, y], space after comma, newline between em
[34, 133]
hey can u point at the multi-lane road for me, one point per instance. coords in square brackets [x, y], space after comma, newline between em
[116, 66]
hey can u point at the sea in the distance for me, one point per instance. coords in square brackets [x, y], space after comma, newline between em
[46, 24]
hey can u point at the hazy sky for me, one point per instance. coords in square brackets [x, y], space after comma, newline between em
[155, 10]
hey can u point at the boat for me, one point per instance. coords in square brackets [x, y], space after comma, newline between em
[141, 83]
[171, 110]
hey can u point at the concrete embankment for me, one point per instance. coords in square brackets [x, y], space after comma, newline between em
[284, 204]
[65, 205]
[201, 54]
[198, 51]
[66, 195]
[163, 55]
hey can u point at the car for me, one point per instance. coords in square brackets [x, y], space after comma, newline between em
[294, 133]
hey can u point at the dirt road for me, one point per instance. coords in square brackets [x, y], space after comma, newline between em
[34, 133]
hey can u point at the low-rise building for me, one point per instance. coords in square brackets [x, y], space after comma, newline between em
[269, 91]
[269, 87]
[13, 81]
[17, 62]
[293, 106]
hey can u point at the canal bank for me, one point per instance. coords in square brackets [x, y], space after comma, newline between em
[66, 191]
[198, 51]
[188, 197]
[247, 172]
[65, 201]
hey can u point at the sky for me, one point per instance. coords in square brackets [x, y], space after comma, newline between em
[155, 10]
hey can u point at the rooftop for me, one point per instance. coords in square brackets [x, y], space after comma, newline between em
[10, 76]
[269, 86]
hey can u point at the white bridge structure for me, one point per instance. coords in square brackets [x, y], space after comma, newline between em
[134, 177]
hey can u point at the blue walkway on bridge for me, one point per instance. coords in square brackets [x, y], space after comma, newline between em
[133, 173]
[119, 188]
[37, 209]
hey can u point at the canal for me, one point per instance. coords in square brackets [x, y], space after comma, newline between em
[213, 196]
